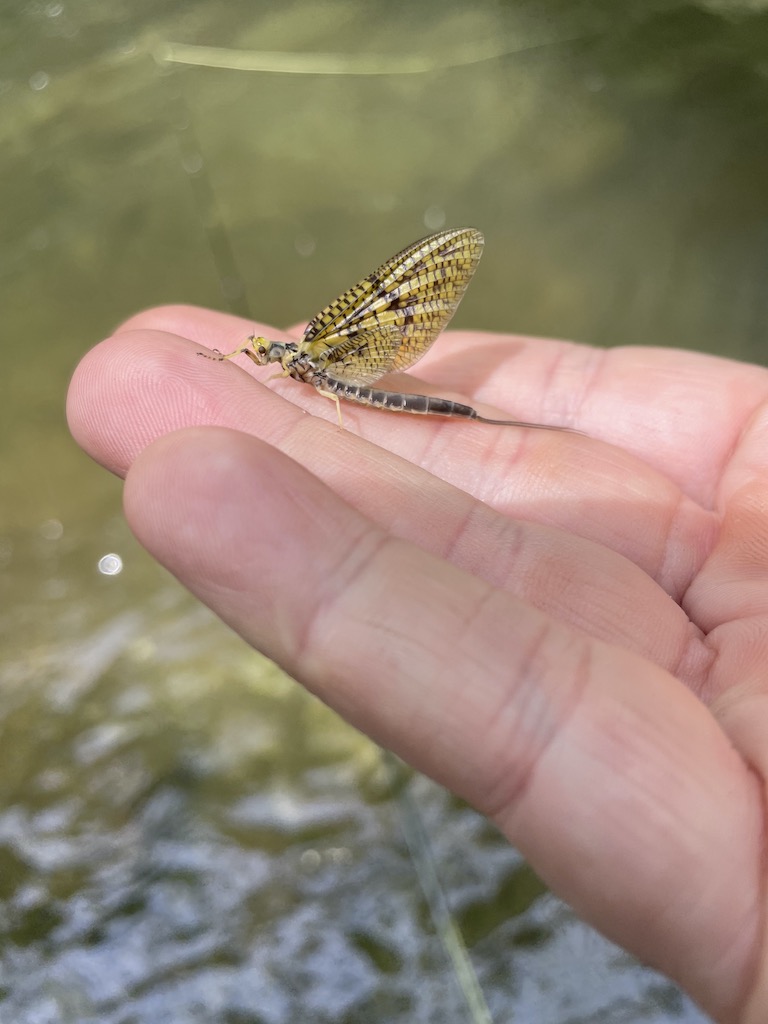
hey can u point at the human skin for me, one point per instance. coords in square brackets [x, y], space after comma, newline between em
[570, 631]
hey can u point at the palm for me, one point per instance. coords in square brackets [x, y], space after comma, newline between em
[455, 559]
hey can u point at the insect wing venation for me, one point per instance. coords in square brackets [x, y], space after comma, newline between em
[417, 292]
[362, 358]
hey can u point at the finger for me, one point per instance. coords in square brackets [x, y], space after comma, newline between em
[139, 385]
[121, 401]
[601, 768]
[679, 412]
[699, 402]
[733, 585]
[729, 597]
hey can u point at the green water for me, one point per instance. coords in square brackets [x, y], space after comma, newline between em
[185, 835]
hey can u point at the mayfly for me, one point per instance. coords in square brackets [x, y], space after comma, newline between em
[383, 324]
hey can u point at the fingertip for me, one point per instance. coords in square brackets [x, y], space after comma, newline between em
[126, 391]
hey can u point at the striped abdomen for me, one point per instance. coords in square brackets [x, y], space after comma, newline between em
[396, 401]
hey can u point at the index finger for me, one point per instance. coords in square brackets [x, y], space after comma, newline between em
[680, 412]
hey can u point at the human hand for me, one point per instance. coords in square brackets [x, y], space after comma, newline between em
[570, 632]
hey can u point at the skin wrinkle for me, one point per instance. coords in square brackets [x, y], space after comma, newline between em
[519, 555]
[548, 487]
[356, 530]
[475, 519]
[348, 570]
[497, 464]
[282, 428]
[470, 665]
[303, 440]
[677, 583]
[545, 387]
[698, 658]
[642, 511]
[757, 425]
[302, 434]
[663, 576]
[398, 646]
[590, 606]
[518, 542]
[516, 762]
[440, 447]
[488, 469]
[526, 572]
[550, 378]
[595, 365]
[411, 516]
[695, 660]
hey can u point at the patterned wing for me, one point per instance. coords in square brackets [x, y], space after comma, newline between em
[362, 358]
[416, 292]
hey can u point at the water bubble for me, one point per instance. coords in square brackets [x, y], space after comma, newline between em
[39, 81]
[110, 565]
[434, 218]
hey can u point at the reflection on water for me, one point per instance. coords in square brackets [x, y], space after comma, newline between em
[184, 835]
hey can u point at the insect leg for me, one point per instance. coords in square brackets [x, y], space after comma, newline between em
[221, 356]
[334, 398]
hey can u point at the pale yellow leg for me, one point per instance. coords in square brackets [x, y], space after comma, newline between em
[333, 398]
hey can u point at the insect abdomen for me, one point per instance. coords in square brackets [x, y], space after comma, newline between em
[395, 401]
